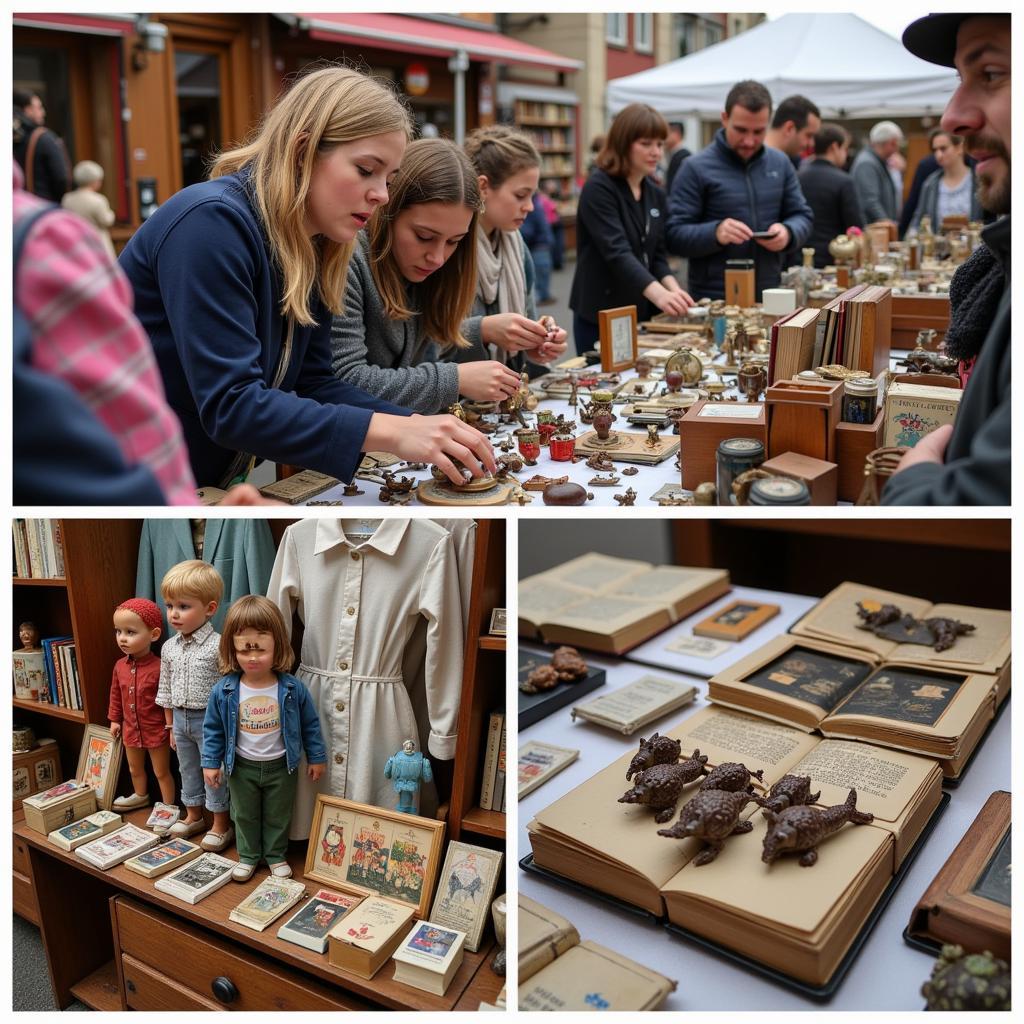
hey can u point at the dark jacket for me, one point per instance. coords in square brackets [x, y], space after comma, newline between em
[51, 169]
[976, 468]
[675, 161]
[536, 229]
[832, 196]
[209, 294]
[715, 184]
[928, 201]
[300, 723]
[620, 246]
[928, 165]
[875, 187]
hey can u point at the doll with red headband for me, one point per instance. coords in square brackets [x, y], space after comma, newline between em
[134, 713]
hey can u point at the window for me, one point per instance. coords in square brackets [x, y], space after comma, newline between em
[615, 29]
[712, 33]
[643, 33]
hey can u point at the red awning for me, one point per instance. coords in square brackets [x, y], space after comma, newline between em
[419, 35]
[93, 24]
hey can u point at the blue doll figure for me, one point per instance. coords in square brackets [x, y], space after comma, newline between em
[408, 767]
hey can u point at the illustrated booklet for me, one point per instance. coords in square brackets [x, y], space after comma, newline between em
[428, 957]
[365, 939]
[195, 881]
[796, 920]
[267, 902]
[612, 604]
[310, 926]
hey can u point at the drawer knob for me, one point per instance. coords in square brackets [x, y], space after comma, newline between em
[224, 990]
[130, 985]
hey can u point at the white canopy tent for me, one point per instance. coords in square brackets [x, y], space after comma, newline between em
[848, 67]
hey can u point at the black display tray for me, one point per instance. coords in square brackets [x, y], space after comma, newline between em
[953, 783]
[533, 707]
[930, 946]
[819, 993]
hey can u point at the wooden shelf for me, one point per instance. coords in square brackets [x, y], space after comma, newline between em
[49, 709]
[31, 581]
[539, 122]
[492, 643]
[484, 823]
[99, 990]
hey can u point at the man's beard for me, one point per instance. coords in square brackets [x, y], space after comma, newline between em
[994, 195]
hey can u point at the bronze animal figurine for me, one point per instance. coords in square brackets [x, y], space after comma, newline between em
[712, 815]
[802, 828]
[656, 750]
[600, 462]
[732, 777]
[660, 786]
[946, 631]
[629, 498]
[790, 791]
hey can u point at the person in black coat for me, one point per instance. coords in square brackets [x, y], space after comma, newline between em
[829, 190]
[677, 152]
[48, 173]
[620, 229]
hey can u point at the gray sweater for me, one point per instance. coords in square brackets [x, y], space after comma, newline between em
[388, 358]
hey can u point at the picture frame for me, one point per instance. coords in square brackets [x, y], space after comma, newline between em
[499, 622]
[99, 763]
[736, 620]
[375, 851]
[617, 332]
[465, 889]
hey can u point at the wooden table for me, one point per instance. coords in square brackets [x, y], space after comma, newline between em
[114, 942]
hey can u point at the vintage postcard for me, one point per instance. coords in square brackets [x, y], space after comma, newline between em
[465, 888]
[112, 849]
[736, 620]
[630, 707]
[539, 762]
[194, 881]
[698, 646]
[310, 925]
[165, 857]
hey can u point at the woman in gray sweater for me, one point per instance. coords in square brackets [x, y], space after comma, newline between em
[410, 285]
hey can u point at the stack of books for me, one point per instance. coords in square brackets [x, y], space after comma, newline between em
[492, 786]
[38, 551]
[61, 665]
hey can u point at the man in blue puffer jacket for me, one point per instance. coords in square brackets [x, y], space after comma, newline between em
[732, 189]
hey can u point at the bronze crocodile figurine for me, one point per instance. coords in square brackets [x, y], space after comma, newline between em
[732, 777]
[803, 828]
[656, 750]
[790, 791]
[660, 786]
[712, 815]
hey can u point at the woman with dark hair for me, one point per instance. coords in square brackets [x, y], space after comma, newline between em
[950, 190]
[621, 258]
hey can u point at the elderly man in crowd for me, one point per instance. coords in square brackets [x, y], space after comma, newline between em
[879, 198]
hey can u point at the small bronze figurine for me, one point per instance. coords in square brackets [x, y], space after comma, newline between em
[630, 471]
[802, 828]
[653, 440]
[790, 791]
[967, 981]
[659, 787]
[629, 498]
[732, 777]
[352, 490]
[656, 750]
[946, 631]
[712, 815]
[603, 481]
[600, 462]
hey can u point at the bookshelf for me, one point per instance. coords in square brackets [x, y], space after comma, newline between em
[552, 127]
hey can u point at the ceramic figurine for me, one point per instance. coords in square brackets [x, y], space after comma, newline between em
[28, 634]
[712, 815]
[656, 750]
[408, 768]
[967, 981]
[643, 368]
[629, 498]
[791, 791]
[652, 440]
[732, 777]
[802, 828]
[660, 786]
[602, 422]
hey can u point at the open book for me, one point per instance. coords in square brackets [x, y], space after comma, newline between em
[558, 972]
[798, 920]
[612, 604]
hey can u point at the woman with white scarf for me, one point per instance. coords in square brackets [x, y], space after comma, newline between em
[503, 323]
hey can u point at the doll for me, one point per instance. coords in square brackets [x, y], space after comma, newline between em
[408, 768]
[258, 723]
[134, 713]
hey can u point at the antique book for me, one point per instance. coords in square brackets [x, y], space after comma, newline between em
[543, 935]
[465, 889]
[310, 925]
[195, 881]
[118, 846]
[792, 344]
[593, 977]
[495, 725]
[915, 410]
[612, 604]
[70, 837]
[428, 957]
[299, 487]
[365, 939]
[798, 920]
[632, 706]
[846, 693]
[538, 762]
[968, 901]
[163, 858]
[267, 902]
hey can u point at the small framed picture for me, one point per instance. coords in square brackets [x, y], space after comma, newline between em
[498, 621]
[99, 763]
[618, 338]
[736, 620]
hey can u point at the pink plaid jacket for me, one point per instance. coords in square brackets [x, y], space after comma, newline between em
[79, 305]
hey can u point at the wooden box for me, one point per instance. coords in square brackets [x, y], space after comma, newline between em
[705, 425]
[913, 313]
[44, 814]
[822, 478]
[802, 417]
[740, 287]
[36, 770]
[854, 441]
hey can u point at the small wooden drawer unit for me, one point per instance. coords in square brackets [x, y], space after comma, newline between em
[168, 964]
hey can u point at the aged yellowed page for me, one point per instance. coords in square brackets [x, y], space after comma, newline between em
[543, 935]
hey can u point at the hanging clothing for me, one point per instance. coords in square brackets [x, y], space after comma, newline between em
[360, 600]
[241, 550]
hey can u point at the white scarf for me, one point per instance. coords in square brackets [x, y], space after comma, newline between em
[499, 271]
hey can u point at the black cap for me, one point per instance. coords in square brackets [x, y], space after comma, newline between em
[933, 37]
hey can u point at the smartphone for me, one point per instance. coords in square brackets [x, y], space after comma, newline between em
[763, 234]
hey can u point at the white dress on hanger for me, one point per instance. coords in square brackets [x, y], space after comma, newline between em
[360, 601]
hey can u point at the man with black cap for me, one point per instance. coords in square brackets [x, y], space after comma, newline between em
[969, 463]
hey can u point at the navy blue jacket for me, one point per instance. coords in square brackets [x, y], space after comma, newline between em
[715, 184]
[209, 295]
[300, 723]
[536, 230]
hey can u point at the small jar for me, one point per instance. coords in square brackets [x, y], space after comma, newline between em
[735, 455]
[24, 739]
[546, 431]
[528, 440]
[561, 447]
[779, 490]
[860, 400]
